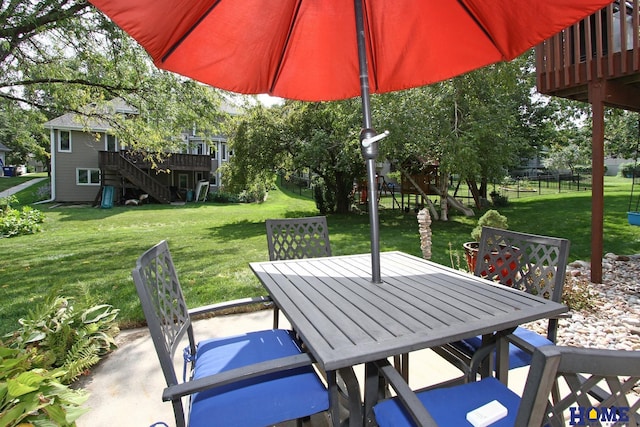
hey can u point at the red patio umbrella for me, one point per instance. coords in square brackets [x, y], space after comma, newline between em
[320, 50]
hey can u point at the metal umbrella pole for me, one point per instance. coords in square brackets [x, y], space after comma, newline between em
[369, 145]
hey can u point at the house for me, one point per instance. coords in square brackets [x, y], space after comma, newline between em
[3, 159]
[86, 157]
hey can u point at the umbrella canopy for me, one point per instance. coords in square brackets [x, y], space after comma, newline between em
[322, 50]
[307, 49]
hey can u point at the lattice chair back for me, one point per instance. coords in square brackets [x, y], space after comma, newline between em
[598, 387]
[164, 308]
[296, 238]
[535, 264]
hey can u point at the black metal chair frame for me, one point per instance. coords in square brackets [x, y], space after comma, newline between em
[296, 238]
[589, 378]
[533, 263]
[169, 321]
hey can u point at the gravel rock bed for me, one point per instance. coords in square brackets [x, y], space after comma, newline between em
[614, 323]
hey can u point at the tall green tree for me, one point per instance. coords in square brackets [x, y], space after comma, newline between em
[298, 137]
[477, 126]
[64, 56]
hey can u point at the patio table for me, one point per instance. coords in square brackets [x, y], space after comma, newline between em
[345, 320]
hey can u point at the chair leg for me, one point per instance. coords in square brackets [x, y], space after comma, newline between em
[276, 316]
[401, 363]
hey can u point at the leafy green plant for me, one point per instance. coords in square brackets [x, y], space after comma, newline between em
[627, 170]
[578, 295]
[498, 199]
[15, 222]
[491, 218]
[54, 345]
[67, 339]
[35, 396]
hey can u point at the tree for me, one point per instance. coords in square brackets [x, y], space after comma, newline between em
[64, 56]
[622, 133]
[477, 126]
[566, 157]
[298, 137]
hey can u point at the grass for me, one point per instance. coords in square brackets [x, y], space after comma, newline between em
[88, 253]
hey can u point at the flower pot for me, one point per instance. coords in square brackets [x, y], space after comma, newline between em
[471, 253]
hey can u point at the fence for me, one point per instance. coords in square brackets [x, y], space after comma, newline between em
[543, 184]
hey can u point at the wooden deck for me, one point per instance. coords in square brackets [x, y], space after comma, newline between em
[605, 48]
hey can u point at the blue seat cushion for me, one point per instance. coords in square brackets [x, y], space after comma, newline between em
[449, 406]
[517, 356]
[265, 400]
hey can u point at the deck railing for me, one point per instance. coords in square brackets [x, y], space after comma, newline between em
[605, 45]
[174, 161]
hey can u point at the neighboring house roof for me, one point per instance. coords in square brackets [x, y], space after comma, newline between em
[75, 121]
[4, 148]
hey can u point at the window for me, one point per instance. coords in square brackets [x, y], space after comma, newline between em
[183, 180]
[64, 141]
[213, 180]
[111, 143]
[223, 151]
[87, 176]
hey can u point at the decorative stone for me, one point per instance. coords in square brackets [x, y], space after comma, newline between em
[615, 323]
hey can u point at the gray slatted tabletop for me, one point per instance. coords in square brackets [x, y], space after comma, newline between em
[346, 320]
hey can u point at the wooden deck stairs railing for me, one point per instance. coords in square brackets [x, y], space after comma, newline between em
[117, 162]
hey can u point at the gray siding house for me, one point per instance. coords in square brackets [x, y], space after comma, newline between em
[86, 157]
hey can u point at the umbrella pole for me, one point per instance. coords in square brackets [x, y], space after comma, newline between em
[370, 149]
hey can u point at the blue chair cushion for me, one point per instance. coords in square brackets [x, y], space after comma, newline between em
[517, 356]
[265, 400]
[449, 406]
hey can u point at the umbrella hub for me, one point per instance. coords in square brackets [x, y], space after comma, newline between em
[368, 139]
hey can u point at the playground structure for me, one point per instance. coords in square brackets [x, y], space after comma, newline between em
[419, 180]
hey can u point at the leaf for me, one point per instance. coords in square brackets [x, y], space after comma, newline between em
[99, 312]
[17, 389]
[24, 383]
[16, 413]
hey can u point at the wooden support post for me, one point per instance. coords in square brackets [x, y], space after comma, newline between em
[597, 90]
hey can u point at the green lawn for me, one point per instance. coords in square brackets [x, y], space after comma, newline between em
[88, 253]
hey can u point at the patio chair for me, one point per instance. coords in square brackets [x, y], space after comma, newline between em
[258, 378]
[296, 238]
[308, 237]
[532, 263]
[579, 372]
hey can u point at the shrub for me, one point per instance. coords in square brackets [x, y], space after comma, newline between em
[222, 197]
[14, 222]
[65, 338]
[583, 169]
[54, 345]
[491, 218]
[35, 397]
[627, 170]
[498, 199]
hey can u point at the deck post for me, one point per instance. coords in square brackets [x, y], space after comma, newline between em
[597, 91]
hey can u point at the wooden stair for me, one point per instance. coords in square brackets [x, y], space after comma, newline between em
[117, 162]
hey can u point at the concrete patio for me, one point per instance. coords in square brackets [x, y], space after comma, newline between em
[125, 388]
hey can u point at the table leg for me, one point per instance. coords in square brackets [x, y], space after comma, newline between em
[334, 400]
[502, 358]
[343, 385]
